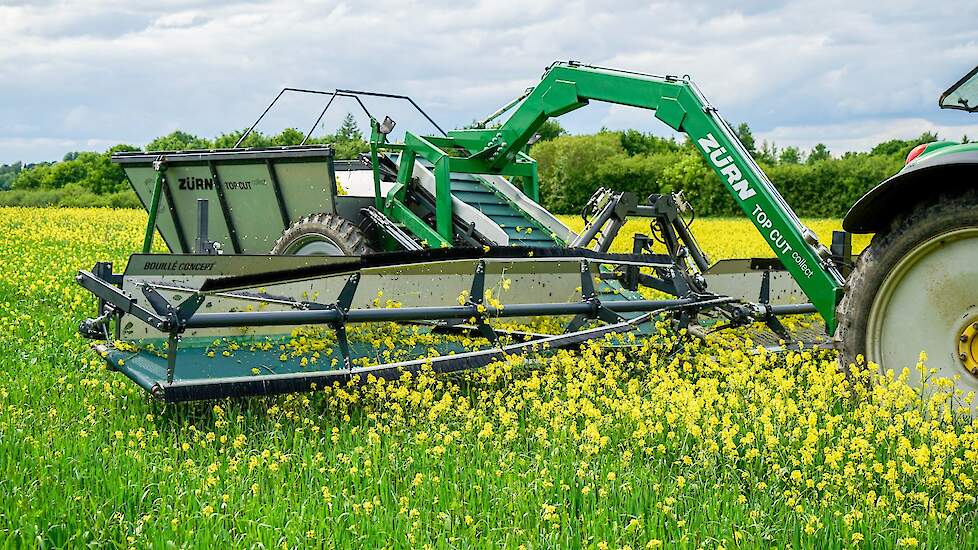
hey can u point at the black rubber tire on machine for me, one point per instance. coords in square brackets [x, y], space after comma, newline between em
[322, 235]
[915, 288]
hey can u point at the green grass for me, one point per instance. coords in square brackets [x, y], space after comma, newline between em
[681, 445]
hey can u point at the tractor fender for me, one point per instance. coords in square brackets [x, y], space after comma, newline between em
[931, 176]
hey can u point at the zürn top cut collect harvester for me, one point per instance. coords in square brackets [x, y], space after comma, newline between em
[271, 291]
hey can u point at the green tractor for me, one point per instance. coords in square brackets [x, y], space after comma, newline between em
[914, 288]
[454, 234]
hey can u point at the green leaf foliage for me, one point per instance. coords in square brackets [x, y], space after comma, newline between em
[571, 168]
[814, 183]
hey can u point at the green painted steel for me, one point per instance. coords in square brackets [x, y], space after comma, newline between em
[154, 209]
[520, 227]
[566, 87]
[375, 136]
[429, 237]
[250, 185]
[252, 193]
[148, 369]
[941, 148]
[531, 185]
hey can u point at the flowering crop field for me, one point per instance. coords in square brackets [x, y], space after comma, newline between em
[676, 444]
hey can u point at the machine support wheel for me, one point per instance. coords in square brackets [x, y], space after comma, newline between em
[322, 235]
[914, 289]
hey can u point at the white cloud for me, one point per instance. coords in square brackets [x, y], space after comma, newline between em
[24, 148]
[179, 19]
[77, 70]
[862, 135]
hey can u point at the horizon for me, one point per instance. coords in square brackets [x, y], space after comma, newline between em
[678, 137]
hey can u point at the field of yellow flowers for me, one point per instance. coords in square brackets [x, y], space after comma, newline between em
[676, 445]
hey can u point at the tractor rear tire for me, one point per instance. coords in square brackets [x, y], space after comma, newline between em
[915, 289]
[322, 235]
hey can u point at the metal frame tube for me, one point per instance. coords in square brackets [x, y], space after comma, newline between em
[332, 315]
[154, 209]
[355, 94]
[589, 232]
[793, 309]
[201, 243]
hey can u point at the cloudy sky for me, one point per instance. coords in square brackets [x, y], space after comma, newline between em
[87, 74]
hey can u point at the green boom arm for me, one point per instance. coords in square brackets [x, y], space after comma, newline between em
[676, 102]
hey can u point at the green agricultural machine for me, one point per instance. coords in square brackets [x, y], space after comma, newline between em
[276, 282]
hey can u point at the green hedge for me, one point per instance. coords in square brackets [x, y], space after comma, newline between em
[70, 196]
[91, 179]
[573, 167]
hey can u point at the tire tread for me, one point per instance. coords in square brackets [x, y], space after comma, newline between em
[341, 230]
[919, 223]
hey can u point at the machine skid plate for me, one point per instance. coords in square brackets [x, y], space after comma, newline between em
[199, 378]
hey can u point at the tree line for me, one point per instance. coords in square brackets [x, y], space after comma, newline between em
[813, 182]
[571, 167]
[92, 179]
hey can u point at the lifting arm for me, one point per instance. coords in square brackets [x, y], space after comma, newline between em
[566, 87]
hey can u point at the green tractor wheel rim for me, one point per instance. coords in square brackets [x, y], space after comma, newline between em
[927, 303]
[314, 244]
